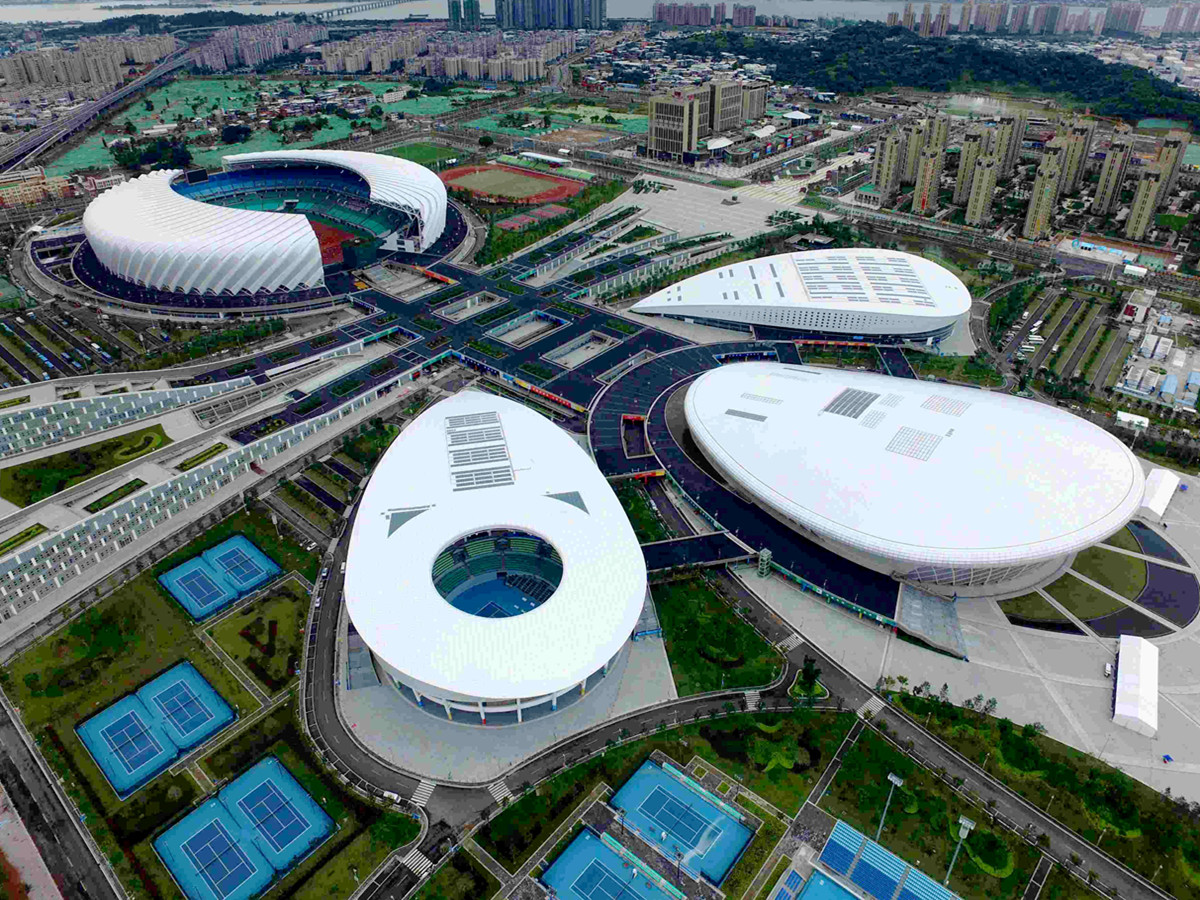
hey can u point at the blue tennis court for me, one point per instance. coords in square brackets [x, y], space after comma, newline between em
[678, 816]
[140, 735]
[591, 870]
[268, 802]
[493, 599]
[208, 858]
[209, 582]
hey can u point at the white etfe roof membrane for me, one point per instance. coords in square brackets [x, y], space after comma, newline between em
[1161, 485]
[860, 280]
[389, 586]
[1136, 703]
[914, 470]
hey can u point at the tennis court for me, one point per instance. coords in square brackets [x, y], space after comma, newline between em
[208, 859]
[136, 738]
[589, 869]
[206, 584]
[678, 816]
[269, 803]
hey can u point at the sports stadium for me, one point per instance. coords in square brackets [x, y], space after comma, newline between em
[267, 231]
[880, 296]
[958, 491]
[492, 571]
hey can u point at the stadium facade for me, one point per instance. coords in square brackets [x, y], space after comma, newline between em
[879, 296]
[248, 235]
[492, 571]
[960, 492]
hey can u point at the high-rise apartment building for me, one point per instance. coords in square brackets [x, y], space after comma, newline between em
[1009, 135]
[1044, 199]
[909, 19]
[718, 13]
[937, 132]
[674, 126]
[912, 134]
[1145, 202]
[983, 189]
[888, 159]
[472, 18]
[1170, 158]
[1019, 22]
[941, 25]
[1078, 146]
[964, 17]
[973, 147]
[1112, 173]
[926, 28]
[455, 15]
[929, 179]
[743, 16]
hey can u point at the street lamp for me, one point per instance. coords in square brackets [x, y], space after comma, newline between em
[896, 781]
[964, 828]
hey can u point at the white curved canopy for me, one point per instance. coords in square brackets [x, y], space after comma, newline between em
[147, 233]
[911, 470]
[415, 505]
[395, 182]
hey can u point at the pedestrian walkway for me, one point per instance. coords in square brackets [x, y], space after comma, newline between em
[418, 862]
[499, 791]
[423, 792]
[1038, 879]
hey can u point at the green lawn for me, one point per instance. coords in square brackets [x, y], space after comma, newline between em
[1125, 540]
[1082, 599]
[645, 521]
[425, 154]
[922, 822]
[461, 878]
[114, 495]
[1032, 606]
[778, 756]
[202, 457]
[40, 478]
[955, 368]
[709, 647]
[306, 505]
[1141, 827]
[1120, 573]
[274, 635]
[1171, 221]
[323, 478]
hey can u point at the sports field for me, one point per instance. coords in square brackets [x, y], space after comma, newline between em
[510, 183]
[425, 154]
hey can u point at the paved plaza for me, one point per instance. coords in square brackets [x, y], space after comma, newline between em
[694, 209]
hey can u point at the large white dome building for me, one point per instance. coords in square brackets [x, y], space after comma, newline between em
[882, 296]
[962, 492]
[241, 231]
[492, 571]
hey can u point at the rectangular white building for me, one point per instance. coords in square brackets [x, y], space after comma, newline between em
[1135, 705]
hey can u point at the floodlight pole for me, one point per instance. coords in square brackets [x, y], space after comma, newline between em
[964, 828]
[896, 781]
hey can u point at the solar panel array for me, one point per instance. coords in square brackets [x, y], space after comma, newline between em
[861, 279]
[850, 402]
[946, 405]
[914, 443]
[475, 443]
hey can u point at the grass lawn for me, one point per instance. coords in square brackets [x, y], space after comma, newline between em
[425, 154]
[709, 647]
[1116, 571]
[306, 505]
[114, 495]
[15, 401]
[1032, 606]
[955, 368]
[1082, 599]
[40, 478]
[366, 448]
[778, 756]
[1142, 828]
[645, 521]
[266, 636]
[1125, 540]
[461, 878]
[23, 536]
[922, 822]
[320, 476]
[1172, 221]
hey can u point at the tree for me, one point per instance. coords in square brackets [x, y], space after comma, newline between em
[486, 141]
[809, 673]
[130, 128]
[375, 112]
[149, 106]
[236, 134]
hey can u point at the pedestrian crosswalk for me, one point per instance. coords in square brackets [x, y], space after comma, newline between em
[418, 862]
[874, 706]
[499, 791]
[752, 698]
[790, 643]
[421, 795]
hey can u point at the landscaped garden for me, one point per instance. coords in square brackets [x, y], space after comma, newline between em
[645, 521]
[708, 646]
[21, 537]
[37, 479]
[119, 493]
[1081, 599]
[266, 637]
[202, 457]
[460, 878]
[1124, 575]
[366, 447]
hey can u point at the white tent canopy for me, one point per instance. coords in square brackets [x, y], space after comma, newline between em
[1136, 702]
[1161, 485]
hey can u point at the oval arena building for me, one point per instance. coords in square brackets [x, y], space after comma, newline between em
[491, 570]
[961, 492]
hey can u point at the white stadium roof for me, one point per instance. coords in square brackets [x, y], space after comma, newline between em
[849, 280]
[423, 496]
[147, 233]
[395, 182]
[912, 470]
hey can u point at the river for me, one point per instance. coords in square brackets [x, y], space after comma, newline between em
[806, 9]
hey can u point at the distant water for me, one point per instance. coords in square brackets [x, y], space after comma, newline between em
[805, 9]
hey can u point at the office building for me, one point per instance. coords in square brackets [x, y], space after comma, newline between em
[754, 102]
[973, 147]
[472, 19]
[1044, 200]
[983, 190]
[1112, 173]
[1145, 202]
[674, 124]
[724, 105]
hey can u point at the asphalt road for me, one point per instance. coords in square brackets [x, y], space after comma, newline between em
[57, 837]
